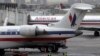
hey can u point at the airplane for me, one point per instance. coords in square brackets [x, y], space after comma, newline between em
[90, 25]
[26, 35]
[89, 22]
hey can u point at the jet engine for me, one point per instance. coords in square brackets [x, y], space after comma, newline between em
[27, 30]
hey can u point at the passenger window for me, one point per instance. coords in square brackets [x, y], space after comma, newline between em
[13, 33]
[18, 33]
[8, 33]
[3, 33]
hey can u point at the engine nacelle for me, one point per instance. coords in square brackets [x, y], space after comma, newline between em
[27, 30]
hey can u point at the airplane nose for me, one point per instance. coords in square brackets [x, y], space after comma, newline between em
[78, 33]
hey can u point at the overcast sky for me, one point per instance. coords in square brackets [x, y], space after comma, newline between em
[39, 1]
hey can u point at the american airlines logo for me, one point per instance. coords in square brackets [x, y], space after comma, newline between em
[72, 19]
[45, 18]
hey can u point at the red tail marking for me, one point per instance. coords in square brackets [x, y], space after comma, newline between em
[70, 18]
[62, 6]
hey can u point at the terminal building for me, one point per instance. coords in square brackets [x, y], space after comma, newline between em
[18, 10]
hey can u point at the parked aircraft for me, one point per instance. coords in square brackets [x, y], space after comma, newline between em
[26, 35]
[89, 22]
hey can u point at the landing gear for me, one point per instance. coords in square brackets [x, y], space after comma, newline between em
[55, 49]
[96, 33]
[52, 49]
[2, 52]
[49, 49]
[43, 49]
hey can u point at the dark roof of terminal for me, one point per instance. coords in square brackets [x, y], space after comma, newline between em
[9, 5]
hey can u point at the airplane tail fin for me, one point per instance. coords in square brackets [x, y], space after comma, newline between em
[62, 6]
[74, 16]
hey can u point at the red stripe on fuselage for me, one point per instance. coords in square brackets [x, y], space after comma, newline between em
[34, 39]
[89, 23]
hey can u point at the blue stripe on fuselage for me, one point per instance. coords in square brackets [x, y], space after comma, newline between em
[61, 32]
[10, 33]
[47, 32]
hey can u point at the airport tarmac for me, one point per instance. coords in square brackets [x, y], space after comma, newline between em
[84, 45]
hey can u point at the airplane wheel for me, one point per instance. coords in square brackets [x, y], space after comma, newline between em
[43, 49]
[48, 49]
[52, 49]
[55, 49]
[2, 52]
[96, 33]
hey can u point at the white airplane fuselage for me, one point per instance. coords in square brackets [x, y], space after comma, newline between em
[91, 21]
[88, 20]
[10, 36]
[43, 19]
